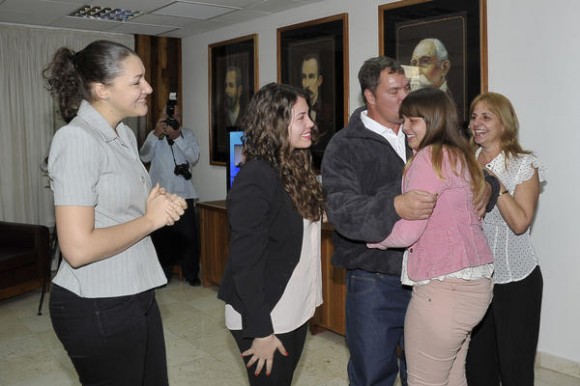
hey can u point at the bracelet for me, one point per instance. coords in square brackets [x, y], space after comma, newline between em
[502, 193]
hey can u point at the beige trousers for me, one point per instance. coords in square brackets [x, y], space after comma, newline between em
[438, 327]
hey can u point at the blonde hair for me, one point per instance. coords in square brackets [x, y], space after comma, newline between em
[504, 110]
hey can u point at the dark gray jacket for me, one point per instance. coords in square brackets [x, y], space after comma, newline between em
[361, 174]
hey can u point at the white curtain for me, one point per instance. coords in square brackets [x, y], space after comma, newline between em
[28, 116]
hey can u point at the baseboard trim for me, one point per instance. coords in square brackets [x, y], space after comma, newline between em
[560, 365]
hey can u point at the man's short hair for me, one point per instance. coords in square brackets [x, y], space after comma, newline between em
[440, 50]
[370, 72]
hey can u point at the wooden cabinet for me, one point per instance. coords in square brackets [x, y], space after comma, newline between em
[215, 241]
[215, 235]
[331, 314]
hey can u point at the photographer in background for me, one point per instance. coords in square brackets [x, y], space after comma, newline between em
[172, 151]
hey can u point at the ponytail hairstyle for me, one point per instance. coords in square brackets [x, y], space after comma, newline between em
[266, 136]
[70, 75]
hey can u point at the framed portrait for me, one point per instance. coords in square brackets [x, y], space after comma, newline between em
[233, 79]
[313, 56]
[441, 43]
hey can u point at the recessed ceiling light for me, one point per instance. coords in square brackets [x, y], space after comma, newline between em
[105, 13]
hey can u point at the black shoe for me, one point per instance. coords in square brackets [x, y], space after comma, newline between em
[195, 282]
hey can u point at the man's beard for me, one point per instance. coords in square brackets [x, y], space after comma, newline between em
[230, 102]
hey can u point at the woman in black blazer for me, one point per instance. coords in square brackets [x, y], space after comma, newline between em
[272, 281]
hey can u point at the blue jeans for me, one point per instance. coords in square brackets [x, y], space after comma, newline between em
[375, 316]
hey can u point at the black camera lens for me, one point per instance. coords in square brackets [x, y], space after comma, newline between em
[170, 112]
[172, 122]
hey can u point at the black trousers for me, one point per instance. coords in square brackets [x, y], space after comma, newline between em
[114, 341]
[178, 244]
[503, 346]
[283, 367]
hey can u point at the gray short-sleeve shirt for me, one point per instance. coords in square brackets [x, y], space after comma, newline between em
[90, 164]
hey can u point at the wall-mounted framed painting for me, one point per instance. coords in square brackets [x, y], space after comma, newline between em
[233, 79]
[314, 56]
[441, 43]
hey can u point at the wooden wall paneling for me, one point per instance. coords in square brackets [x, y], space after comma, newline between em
[161, 57]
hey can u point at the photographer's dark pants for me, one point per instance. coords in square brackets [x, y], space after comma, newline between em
[114, 341]
[178, 244]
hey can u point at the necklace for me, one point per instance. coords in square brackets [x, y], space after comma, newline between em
[485, 159]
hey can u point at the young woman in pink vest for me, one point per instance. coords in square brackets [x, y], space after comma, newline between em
[448, 261]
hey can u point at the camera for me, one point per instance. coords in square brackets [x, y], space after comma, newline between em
[170, 112]
[182, 170]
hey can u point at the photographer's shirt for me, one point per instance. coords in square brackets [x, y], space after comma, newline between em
[91, 164]
[158, 152]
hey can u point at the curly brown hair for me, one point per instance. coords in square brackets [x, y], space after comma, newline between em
[266, 137]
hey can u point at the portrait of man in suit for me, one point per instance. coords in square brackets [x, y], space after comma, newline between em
[233, 79]
[321, 112]
[437, 49]
[432, 60]
[430, 66]
[233, 89]
[311, 57]
[312, 80]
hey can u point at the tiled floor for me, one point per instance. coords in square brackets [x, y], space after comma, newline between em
[200, 350]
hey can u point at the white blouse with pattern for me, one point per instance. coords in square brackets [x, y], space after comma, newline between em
[514, 255]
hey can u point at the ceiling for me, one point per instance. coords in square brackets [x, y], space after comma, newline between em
[170, 18]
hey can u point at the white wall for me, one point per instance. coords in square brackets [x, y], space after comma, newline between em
[532, 59]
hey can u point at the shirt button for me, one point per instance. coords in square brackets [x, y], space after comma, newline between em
[143, 180]
[410, 250]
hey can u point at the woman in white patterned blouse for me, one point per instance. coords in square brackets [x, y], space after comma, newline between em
[503, 346]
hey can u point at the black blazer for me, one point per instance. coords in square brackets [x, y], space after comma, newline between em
[265, 245]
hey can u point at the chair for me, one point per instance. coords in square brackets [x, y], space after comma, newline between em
[25, 255]
[54, 249]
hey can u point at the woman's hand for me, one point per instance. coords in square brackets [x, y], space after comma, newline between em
[164, 208]
[262, 351]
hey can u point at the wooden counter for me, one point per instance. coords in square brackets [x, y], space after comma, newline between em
[214, 234]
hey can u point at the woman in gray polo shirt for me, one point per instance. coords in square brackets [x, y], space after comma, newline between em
[102, 305]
